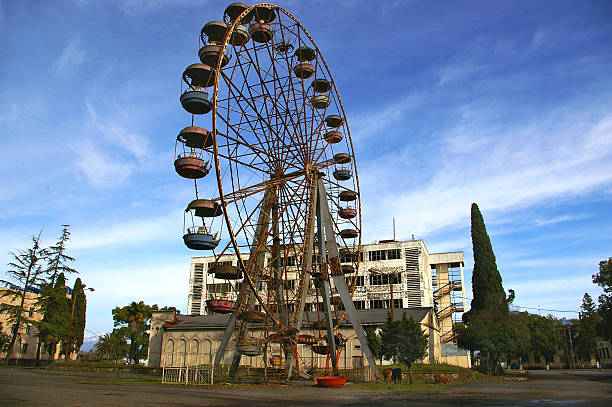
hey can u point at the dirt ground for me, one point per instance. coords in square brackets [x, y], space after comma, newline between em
[36, 387]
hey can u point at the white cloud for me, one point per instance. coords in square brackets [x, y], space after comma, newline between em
[71, 58]
[129, 232]
[100, 168]
[502, 169]
[136, 144]
[557, 219]
[540, 37]
[456, 72]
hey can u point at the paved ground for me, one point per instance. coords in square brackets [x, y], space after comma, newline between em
[35, 387]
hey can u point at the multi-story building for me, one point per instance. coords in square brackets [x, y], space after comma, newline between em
[26, 343]
[400, 272]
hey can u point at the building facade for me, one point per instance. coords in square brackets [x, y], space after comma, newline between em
[26, 343]
[400, 272]
[192, 340]
[404, 270]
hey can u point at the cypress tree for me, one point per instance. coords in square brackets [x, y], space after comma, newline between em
[78, 319]
[487, 324]
[487, 286]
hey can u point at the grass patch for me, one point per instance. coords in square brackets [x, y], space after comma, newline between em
[416, 387]
[98, 363]
[118, 380]
[422, 373]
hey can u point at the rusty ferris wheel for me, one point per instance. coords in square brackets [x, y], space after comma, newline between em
[287, 203]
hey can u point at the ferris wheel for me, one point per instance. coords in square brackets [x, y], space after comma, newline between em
[286, 201]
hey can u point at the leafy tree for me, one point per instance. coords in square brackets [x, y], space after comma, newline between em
[27, 271]
[55, 307]
[112, 346]
[134, 321]
[522, 343]
[584, 341]
[5, 341]
[374, 341]
[57, 258]
[604, 279]
[544, 336]
[486, 325]
[404, 341]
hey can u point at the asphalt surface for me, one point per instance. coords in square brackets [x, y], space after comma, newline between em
[36, 387]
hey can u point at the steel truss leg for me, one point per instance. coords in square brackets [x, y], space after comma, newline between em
[338, 277]
[307, 265]
[256, 262]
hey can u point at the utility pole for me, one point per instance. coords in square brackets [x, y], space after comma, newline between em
[571, 347]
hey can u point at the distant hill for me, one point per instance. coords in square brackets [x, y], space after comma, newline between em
[89, 342]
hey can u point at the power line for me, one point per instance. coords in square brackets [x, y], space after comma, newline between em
[538, 308]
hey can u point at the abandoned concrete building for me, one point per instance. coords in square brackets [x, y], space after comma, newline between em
[428, 287]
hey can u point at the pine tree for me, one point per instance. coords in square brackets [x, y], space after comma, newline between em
[26, 271]
[57, 258]
[404, 341]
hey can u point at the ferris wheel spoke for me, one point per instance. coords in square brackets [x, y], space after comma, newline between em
[256, 188]
[265, 90]
[260, 118]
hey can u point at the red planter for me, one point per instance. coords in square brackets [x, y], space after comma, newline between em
[330, 381]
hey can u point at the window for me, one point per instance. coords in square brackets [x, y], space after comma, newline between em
[394, 254]
[384, 304]
[24, 348]
[31, 312]
[360, 281]
[377, 304]
[14, 329]
[537, 359]
[219, 288]
[375, 255]
[290, 284]
[359, 304]
[381, 279]
[291, 261]
[223, 263]
[27, 330]
[348, 256]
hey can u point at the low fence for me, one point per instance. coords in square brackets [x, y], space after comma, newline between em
[192, 368]
[188, 375]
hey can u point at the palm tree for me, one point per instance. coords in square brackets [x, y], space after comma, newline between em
[111, 346]
[136, 317]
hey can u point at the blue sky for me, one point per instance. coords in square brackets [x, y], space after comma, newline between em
[507, 104]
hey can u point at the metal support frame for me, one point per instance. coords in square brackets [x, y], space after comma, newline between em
[339, 283]
[307, 263]
[329, 266]
[255, 263]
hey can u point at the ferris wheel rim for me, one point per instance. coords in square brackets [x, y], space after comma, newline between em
[222, 195]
